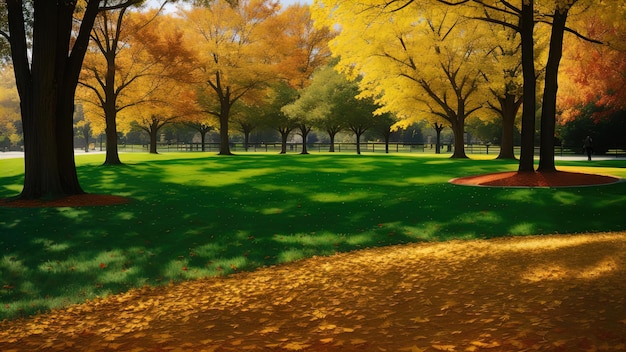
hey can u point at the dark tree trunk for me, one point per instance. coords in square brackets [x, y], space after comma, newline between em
[548, 108]
[458, 129]
[438, 128]
[246, 140]
[283, 141]
[509, 106]
[332, 135]
[527, 152]
[224, 138]
[110, 112]
[387, 138]
[46, 91]
[203, 139]
[304, 132]
[112, 156]
[358, 143]
[86, 135]
[153, 132]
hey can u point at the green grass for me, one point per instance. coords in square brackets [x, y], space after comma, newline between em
[198, 215]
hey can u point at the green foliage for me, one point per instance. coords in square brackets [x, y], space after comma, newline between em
[607, 133]
[198, 215]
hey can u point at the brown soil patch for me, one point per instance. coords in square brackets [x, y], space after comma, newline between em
[536, 179]
[80, 200]
[541, 293]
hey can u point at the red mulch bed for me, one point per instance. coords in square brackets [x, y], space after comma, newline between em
[536, 179]
[80, 200]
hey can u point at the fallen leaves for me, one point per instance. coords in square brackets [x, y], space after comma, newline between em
[453, 296]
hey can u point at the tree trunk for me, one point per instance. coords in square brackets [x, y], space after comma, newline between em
[331, 135]
[387, 138]
[283, 141]
[47, 90]
[48, 155]
[548, 108]
[202, 139]
[112, 157]
[438, 129]
[304, 131]
[224, 138]
[527, 152]
[86, 135]
[358, 143]
[509, 106]
[458, 129]
[110, 112]
[246, 140]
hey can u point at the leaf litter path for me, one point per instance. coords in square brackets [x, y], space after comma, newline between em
[550, 293]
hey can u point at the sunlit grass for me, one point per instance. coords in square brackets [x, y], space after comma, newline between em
[197, 215]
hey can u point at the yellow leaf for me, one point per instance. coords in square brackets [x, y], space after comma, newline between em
[269, 329]
[327, 326]
[295, 346]
[357, 341]
[114, 346]
[327, 340]
[420, 320]
[412, 349]
[445, 348]
[485, 344]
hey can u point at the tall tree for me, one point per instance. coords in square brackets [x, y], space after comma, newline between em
[100, 76]
[413, 68]
[46, 77]
[131, 49]
[232, 42]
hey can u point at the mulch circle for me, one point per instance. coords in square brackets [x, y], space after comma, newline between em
[536, 179]
[79, 200]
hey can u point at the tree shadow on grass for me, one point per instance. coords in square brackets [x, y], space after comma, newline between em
[194, 218]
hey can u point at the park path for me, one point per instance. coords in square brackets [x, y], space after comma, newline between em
[550, 293]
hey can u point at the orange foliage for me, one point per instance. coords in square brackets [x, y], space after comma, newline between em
[595, 73]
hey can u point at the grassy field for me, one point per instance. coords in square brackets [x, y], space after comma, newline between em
[197, 215]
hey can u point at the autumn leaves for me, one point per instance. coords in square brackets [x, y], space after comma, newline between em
[454, 296]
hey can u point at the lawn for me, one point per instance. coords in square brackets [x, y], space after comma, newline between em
[198, 215]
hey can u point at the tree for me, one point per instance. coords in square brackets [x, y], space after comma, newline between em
[278, 96]
[9, 109]
[99, 76]
[233, 49]
[168, 102]
[415, 69]
[506, 83]
[247, 119]
[82, 126]
[299, 112]
[130, 50]
[323, 96]
[203, 128]
[46, 78]
[304, 47]
[592, 73]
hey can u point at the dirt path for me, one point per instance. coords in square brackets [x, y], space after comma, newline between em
[552, 293]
